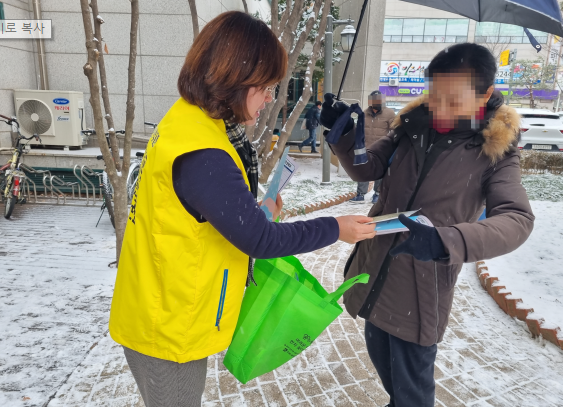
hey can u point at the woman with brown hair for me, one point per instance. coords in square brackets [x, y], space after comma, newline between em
[194, 225]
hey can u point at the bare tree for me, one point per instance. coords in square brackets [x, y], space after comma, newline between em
[496, 46]
[195, 21]
[116, 169]
[533, 75]
[292, 22]
[245, 5]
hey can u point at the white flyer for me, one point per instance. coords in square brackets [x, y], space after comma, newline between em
[288, 170]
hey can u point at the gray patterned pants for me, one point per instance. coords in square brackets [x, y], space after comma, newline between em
[163, 383]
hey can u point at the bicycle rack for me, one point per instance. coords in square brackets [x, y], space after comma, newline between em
[52, 185]
[89, 172]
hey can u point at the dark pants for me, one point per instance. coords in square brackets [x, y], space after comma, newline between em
[406, 369]
[312, 140]
[364, 186]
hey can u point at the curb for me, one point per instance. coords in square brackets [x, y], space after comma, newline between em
[305, 209]
[515, 307]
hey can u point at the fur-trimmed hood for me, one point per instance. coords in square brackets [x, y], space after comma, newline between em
[501, 133]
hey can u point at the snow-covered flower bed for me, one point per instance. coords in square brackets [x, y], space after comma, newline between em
[305, 186]
[544, 187]
[534, 272]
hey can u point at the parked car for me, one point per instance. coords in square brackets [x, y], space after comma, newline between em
[541, 130]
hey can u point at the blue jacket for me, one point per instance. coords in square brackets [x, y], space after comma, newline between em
[313, 118]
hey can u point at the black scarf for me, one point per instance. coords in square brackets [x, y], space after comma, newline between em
[246, 152]
[249, 158]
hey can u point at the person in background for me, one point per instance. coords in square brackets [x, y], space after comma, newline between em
[312, 118]
[378, 119]
[450, 153]
[194, 224]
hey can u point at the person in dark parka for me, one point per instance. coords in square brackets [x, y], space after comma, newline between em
[311, 123]
[450, 153]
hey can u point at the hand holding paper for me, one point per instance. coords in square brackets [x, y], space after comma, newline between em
[424, 242]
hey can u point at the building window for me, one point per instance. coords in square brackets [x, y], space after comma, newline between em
[425, 30]
[505, 33]
[2, 16]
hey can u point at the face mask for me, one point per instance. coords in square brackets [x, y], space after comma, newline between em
[376, 107]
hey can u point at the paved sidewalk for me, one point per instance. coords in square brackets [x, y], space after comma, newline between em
[486, 359]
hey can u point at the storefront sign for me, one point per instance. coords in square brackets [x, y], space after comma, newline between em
[402, 90]
[404, 71]
[414, 91]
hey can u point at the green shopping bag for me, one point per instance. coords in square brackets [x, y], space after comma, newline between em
[280, 317]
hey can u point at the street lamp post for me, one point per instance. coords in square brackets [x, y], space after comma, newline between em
[327, 84]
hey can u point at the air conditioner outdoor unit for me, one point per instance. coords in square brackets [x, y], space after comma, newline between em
[56, 116]
[393, 82]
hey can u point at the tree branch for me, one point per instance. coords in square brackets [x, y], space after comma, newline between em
[98, 21]
[195, 21]
[130, 111]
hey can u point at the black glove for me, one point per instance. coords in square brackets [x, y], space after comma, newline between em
[423, 244]
[331, 111]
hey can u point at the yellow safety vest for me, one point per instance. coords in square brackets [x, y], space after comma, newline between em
[180, 283]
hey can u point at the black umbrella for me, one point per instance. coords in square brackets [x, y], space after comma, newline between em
[542, 15]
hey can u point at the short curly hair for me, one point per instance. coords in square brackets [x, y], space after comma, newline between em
[232, 53]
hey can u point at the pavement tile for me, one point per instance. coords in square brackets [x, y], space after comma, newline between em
[358, 395]
[291, 389]
[253, 398]
[326, 380]
[447, 398]
[356, 369]
[308, 384]
[273, 394]
[345, 349]
[375, 391]
[340, 399]
[227, 384]
[341, 373]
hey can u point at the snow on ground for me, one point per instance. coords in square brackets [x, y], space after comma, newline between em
[305, 186]
[534, 272]
[55, 292]
[485, 360]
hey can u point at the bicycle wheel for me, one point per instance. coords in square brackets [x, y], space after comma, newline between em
[10, 203]
[132, 182]
[107, 193]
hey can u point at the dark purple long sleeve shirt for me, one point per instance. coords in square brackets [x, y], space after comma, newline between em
[212, 189]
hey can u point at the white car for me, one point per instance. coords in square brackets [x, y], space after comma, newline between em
[541, 130]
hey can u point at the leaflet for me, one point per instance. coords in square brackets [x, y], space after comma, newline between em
[395, 225]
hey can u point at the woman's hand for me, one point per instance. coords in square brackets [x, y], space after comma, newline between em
[353, 228]
[279, 206]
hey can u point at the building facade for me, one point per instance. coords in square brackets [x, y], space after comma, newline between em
[165, 35]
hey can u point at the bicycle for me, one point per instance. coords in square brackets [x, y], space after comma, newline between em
[135, 168]
[105, 185]
[10, 187]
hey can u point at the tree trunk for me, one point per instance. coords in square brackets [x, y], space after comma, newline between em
[195, 21]
[117, 179]
[243, 4]
[270, 160]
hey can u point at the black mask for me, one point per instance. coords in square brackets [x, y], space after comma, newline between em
[376, 107]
